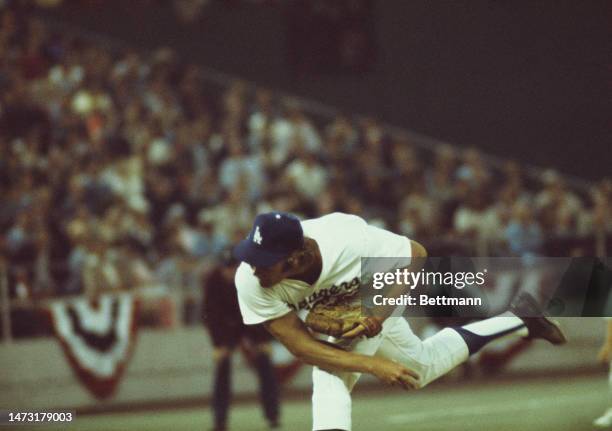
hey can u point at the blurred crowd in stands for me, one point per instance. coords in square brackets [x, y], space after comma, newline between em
[119, 169]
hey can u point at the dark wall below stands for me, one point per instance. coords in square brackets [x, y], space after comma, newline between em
[522, 79]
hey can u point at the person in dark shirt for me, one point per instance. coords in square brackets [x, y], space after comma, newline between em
[223, 320]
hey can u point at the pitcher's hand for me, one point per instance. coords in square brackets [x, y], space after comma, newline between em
[395, 374]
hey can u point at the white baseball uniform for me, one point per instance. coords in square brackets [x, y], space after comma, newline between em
[343, 241]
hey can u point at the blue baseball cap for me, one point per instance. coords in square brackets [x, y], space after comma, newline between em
[273, 237]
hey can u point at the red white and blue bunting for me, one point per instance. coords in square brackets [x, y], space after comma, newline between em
[97, 337]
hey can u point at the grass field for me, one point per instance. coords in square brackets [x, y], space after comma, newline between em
[543, 404]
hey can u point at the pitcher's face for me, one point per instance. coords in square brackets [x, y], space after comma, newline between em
[270, 275]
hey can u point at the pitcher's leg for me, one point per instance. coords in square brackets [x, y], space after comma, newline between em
[331, 396]
[442, 352]
[331, 401]
[431, 358]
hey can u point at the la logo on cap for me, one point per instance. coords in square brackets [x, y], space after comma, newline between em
[257, 238]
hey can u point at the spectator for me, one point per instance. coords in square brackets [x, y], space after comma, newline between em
[523, 234]
[307, 175]
[140, 149]
[559, 207]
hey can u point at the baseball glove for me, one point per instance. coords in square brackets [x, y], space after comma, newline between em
[340, 319]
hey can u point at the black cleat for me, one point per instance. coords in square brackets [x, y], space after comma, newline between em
[527, 309]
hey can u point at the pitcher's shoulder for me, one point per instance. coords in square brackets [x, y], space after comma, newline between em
[336, 219]
[244, 277]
